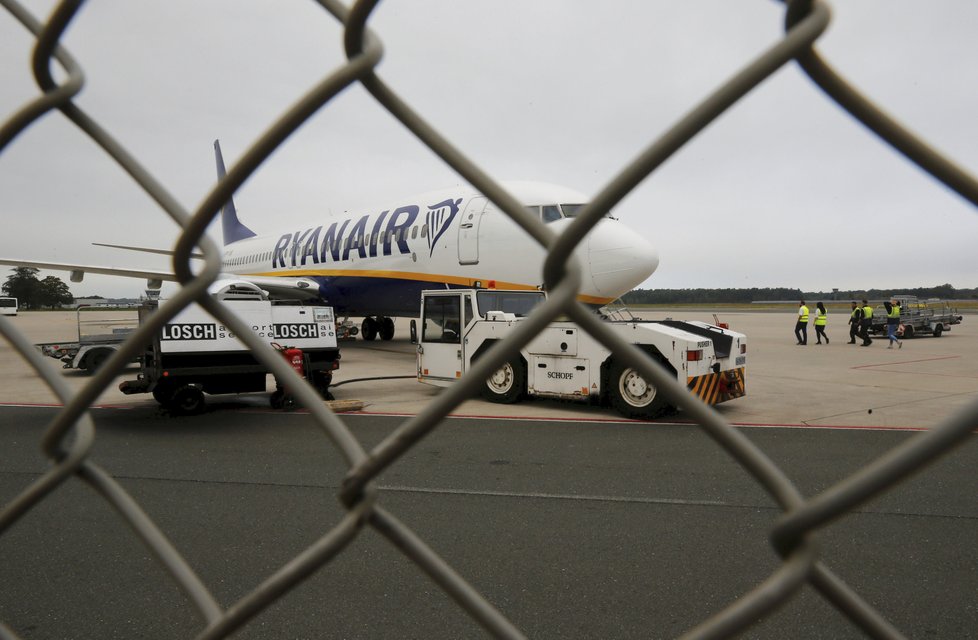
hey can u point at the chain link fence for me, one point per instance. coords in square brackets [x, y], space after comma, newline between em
[68, 440]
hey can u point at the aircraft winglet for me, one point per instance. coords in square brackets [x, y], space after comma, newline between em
[230, 225]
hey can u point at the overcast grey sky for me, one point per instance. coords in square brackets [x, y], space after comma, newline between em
[784, 190]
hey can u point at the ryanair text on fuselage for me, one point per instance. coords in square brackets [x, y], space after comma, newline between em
[367, 238]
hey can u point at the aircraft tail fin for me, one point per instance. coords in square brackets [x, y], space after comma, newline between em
[230, 225]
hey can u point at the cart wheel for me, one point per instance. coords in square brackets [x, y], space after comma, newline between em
[938, 330]
[163, 392]
[95, 359]
[907, 332]
[186, 400]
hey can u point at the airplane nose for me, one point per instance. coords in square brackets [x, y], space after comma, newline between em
[618, 259]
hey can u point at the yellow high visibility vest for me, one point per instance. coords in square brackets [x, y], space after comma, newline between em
[820, 318]
[867, 312]
[894, 312]
[803, 314]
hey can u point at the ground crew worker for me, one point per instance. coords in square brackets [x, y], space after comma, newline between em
[892, 323]
[801, 327]
[866, 323]
[854, 318]
[820, 319]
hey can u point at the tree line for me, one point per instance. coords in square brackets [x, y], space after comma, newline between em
[33, 293]
[713, 296]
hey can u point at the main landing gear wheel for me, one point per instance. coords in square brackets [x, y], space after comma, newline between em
[507, 384]
[633, 396]
[368, 328]
[386, 329]
[371, 327]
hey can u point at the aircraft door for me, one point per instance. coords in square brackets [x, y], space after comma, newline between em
[468, 231]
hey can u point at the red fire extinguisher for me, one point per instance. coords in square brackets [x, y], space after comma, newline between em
[281, 398]
[294, 358]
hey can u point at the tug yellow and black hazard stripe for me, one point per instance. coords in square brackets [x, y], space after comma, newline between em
[715, 388]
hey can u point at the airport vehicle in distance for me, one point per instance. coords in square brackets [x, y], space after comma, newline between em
[195, 354]
[99, 335]
[8, 306]
[563, 361]
[918, 317]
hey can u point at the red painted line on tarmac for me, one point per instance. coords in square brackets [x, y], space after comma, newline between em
[838, 427]
[759, 425]
[476, 416]
[44, 405]
[462, 416]
[889, 364]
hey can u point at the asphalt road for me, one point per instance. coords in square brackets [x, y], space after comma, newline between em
[572, 529]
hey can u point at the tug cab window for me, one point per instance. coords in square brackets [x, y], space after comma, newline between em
[442, 320]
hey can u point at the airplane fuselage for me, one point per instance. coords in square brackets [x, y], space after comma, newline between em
[378, 262]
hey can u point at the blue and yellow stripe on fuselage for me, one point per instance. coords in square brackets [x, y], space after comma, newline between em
[393, 293]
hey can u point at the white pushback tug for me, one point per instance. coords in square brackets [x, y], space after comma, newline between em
[563, 361]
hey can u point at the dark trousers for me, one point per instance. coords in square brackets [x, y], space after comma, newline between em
[820, 333]
[864, 326]
[853, 331]
[801, 332]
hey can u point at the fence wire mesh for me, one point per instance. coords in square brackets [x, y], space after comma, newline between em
[68, 440]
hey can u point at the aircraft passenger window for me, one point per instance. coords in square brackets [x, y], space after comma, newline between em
[551, 213]
[414, 233]
[424, 231]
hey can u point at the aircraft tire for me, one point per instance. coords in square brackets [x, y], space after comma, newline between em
[368, 328]
[386, 328]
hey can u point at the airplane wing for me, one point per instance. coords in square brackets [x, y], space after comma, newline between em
[153, 278]
[277, 287]
[162, 252]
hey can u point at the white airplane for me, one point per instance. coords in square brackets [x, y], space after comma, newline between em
[375, 264]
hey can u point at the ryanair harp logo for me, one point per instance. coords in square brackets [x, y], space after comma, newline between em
[439, 219]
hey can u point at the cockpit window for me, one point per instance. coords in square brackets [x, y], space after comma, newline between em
[550, 213]
[571, 210]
